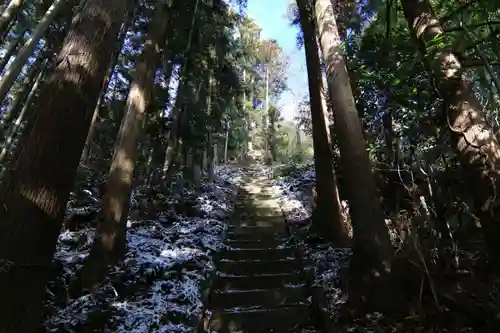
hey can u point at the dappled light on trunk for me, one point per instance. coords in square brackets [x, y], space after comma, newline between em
[35, 190]
[110, 245]
[373, 254]
[472, 137]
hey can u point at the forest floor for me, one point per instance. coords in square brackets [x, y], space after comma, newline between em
[158, 288]
[464, 300]
[171, 260]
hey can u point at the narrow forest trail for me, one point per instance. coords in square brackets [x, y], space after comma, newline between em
[259, 286]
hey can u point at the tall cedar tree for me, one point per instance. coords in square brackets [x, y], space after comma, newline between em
[110, 245]
[327, 215]
[372, 261]
[35, 191]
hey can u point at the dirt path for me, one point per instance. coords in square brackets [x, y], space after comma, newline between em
[259, 286]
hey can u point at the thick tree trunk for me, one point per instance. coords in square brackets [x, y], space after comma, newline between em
[372, 260]
[329, 222]
[110, 245]
[36, 188]
[473, 139]
[114, 59]
[26, 51]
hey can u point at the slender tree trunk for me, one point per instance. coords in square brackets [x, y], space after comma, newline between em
[35, 190]
[372, 260]
[11, 50]
[4, 35]
[266, 119]
[114, 59]
[26, 51]
[273, 153]
[247, 118]
[175, 128]
[14, 128]
[21, 93]
[329, 220]
[110, 245]
[170, 139]
[178, 118]
[161, 146]
[473, 139]
[226, 144]
[211, 156]
[9, 15]
[298, 137]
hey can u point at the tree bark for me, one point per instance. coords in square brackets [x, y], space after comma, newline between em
[36, 188]
[473, 139]
[226, 143]
[373, 254]
[110, 245]
[14, 128]
[21, 93]
[26, 51]
[114, 59]
[330, 222]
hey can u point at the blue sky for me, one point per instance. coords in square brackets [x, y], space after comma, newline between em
[270, 15]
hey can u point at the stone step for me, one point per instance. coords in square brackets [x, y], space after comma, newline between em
[249, 227]
[286, 319]
[268, 298]
[270, 281]
[258, 267]
[255, 235]
[254, 243]
[258, 254]
[272, 223]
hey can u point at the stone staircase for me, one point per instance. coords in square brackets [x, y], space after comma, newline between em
[259, 286]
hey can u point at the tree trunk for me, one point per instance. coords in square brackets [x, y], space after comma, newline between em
[11, 50]
[211, 156]
[110, 245]
[298, 137]
[196, 167]
[160, 146]
[226, 144]
[21, 93]
[332, 228]
[273, 116]
[266, 119]
[114, 59]
[373, 254]
[10, 14]
[246, 117]
[175, 127]
[473, 139]
[14, 128]
[36, 188]
[26, 51]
